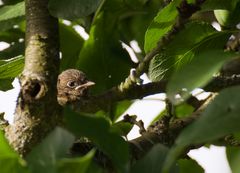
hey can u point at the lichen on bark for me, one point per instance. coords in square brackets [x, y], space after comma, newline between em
[37, 111]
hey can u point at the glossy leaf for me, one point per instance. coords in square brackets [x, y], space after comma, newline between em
[122, 128]
[70, 45]
[233, 156]
[72, 9]
[196, 74]
[12, 11]
[6, 84]
[5, 149]
[10, 2]
[76, 165]
[119, 108]
[219, 119]
[10, 161]
[11, 68]
[219, 4]
[11, 15]
[160, 25]
[134, 26]
[197, 38]
[153, 161]
[97, 129]
[55, 146]
[102, 56]
[228, 18]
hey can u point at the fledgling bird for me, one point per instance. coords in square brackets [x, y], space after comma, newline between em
[72, 85]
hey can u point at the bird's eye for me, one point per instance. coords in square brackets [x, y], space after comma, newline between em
[72, 84]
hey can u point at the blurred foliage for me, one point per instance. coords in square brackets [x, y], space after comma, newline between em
[233, 156]
[189, 166]
[188, 61]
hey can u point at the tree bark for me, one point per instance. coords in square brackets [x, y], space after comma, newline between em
[37, 111]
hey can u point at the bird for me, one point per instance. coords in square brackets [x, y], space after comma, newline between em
[72, 85]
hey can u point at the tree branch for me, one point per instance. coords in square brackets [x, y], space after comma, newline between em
[37, 111]
[102, 101]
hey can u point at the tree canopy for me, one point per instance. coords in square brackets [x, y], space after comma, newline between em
[183, 45]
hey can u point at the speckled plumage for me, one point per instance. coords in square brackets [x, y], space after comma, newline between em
[72, 85]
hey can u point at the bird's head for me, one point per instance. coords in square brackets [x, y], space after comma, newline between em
[72, 85]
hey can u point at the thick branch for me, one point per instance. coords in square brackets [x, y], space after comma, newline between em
[37, 111]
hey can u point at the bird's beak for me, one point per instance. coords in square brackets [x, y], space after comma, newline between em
[86, 85]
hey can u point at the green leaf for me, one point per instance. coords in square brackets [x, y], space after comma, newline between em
[219, 4]
[197, 38]
[233, 156]
[134, 27]
[5, 149]
[153, 161]
[196, 74]
[122, 128]
[136, 3]
[73, 9]
[159, 116]
[15, 49]
[76, 165]
[220, 118]
[70, 51]
[183, 110]
[228, 18]
[6, 84]
[10, 2]
[11, 68]
[9, 160]
[94, 168]
[102, 56]
[161, 66]
[11, 35]
[160, 25]
[119, 108]
[12, 11]
[97, 129]
[11, 15]
[44, 157]
[9, 24]
[189, 166]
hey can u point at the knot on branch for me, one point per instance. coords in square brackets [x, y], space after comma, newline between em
[33, 89]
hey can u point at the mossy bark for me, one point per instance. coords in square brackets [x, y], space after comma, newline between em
[37, 111]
